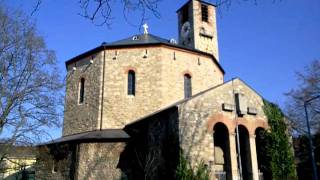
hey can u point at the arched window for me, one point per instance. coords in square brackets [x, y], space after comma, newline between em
[187, 86]
[131, 82]
[81, 91]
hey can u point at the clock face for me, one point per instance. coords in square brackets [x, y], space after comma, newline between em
[185, 33]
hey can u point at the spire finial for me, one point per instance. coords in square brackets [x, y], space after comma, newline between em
[145, 27]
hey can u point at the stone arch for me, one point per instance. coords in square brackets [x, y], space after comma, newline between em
[246, 124]
[219, 118]
[187, 72]
[130, 68]
[260, 123]
[252, 125]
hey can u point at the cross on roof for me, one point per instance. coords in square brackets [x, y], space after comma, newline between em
[145, 27]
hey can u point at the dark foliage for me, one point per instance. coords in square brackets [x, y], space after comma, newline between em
[302, 153]
[278, 159]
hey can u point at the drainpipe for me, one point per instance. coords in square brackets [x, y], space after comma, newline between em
[237, 134]
[239, 153]
[102, 86]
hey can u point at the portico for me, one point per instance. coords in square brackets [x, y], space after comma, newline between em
[229, 149]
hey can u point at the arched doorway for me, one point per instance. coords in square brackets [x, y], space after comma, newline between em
[261, 153]
[222, 150]
[245, 153]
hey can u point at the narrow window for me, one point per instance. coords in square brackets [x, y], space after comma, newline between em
[187, 86]
[81, 92]
[131, 82]
[204, 12]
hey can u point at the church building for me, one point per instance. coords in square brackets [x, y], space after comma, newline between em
[134, 106]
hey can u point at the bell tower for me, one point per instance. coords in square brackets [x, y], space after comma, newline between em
[197, 26]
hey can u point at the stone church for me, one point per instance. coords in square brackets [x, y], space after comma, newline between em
[134, 105]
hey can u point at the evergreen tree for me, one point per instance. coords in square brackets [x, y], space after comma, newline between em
[278, 162]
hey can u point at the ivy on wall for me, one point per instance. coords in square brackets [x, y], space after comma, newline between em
[277, 161]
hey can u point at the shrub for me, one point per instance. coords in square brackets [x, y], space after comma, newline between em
[278, 152]
[184, 170]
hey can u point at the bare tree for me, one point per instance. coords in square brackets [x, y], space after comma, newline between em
[30, 84]
[101, 12]
[309, 87]
[148, 162]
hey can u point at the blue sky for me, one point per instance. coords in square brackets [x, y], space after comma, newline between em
[263, 44]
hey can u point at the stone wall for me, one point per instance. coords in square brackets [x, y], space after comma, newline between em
[201, 68]
[159, 81]
[90, 160]
[55, 162]
[99, 160]
[83, 117]
[120, 108]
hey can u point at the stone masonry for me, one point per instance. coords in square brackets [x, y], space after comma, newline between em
[99, 161]
[159, 82]
[83, 117]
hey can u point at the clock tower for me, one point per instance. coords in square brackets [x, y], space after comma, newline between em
[197, 26]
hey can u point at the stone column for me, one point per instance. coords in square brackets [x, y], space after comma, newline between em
[233, 156]
[254, 160]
